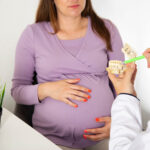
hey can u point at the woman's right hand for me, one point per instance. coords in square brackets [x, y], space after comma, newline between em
[62, 90]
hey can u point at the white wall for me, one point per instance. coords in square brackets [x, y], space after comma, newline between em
[14, 16]
[132, 17]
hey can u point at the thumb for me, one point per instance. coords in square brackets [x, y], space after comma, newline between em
[111, 76]
[72, 80]
[130, 69]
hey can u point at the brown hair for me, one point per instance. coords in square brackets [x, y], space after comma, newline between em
[47, 12]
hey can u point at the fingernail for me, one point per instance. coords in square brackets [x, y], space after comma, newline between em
[85, 131]
[84, 137]
[89, 96]
[76, 106]
[97, 119]
[85, 100]
[89, 90]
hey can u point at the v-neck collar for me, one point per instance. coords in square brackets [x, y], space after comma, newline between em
[82, 45]
[78, 59]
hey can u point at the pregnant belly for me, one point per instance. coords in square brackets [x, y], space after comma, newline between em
[59, 119]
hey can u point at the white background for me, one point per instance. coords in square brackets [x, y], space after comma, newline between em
[132, 18]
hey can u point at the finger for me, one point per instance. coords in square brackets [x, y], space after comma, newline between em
[65, 100]
[121, 75]
[97, 137]
[111, 76]
[80, 88]
[75, 97]
[148, 61]
[129, 71]
[95, 131]
[103, 119]
[72, 80]
[134, 75]
[147, 51]
[79, 93]
[147, 56]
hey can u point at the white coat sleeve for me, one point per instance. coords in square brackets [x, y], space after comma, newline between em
[126, 122]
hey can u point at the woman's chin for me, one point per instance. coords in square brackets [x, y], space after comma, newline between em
[74, 13]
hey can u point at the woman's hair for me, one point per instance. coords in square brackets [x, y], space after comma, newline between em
[47, 12]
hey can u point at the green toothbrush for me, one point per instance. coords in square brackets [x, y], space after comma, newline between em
[134, 59]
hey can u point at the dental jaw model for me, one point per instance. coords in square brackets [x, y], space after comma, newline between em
[129, 52]
[118, 67]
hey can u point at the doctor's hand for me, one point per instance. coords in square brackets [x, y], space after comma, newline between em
[147, 56]
[98, 134]
[124, 83]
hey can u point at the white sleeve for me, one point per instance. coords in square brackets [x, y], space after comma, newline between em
[126, 122]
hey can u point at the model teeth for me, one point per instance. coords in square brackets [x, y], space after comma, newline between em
[116, 67]
[128, 51]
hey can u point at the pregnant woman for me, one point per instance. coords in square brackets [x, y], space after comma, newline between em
[68, 47]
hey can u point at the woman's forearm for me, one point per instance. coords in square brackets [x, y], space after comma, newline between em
[25, 94]
[42, 91]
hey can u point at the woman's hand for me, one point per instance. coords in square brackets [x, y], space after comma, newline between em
[99, 133]
[62, 90]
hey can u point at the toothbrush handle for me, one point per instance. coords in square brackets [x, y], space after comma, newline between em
[134, 59]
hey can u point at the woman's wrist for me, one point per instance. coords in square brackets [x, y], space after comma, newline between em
[42, 91]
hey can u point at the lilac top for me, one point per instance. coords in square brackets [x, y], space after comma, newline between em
[72, 46]
[40, 51]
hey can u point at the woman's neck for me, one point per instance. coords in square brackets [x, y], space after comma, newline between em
[70, 24]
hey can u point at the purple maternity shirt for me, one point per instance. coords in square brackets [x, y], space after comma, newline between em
[54, 59]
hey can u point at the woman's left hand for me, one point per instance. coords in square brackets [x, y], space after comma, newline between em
[99, 133]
